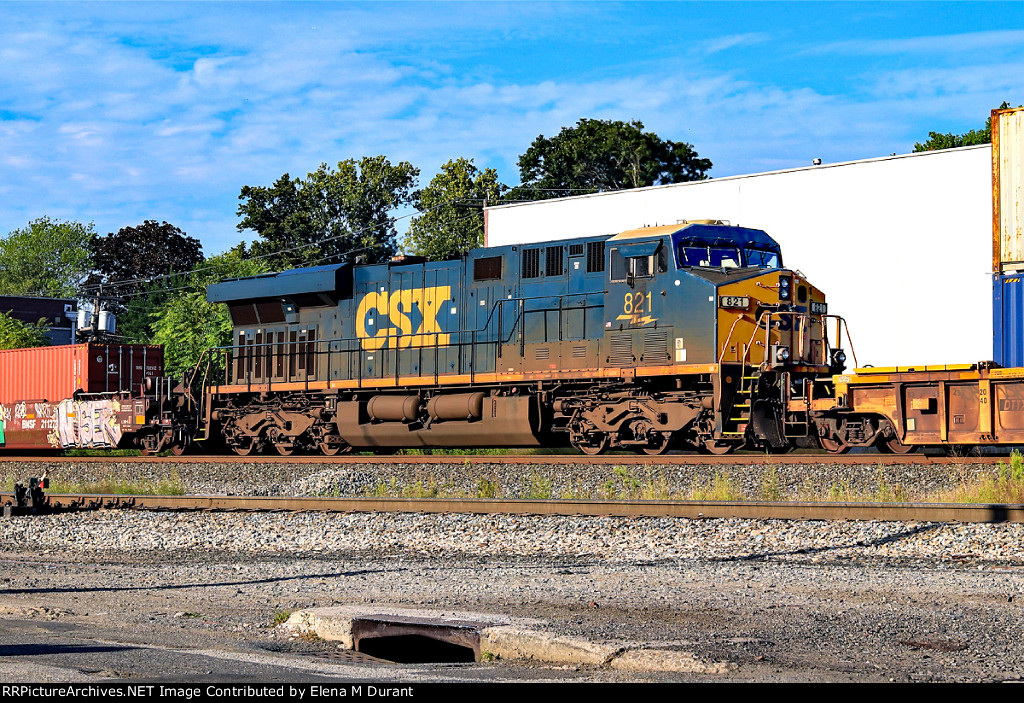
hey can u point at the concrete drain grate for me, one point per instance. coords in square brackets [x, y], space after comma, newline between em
[409, 640]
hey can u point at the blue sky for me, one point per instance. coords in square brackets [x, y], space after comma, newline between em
[114, 113]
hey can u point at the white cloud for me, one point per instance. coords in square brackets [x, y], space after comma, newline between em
[171, 124]
[944, 44]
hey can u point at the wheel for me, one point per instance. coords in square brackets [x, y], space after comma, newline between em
[334, 449]
[178, 449]
[659, 445]
[330, 449]
[833, 446]
[713, 446]
[593, 444]
[895, 446]
[243, 449]
[285, 449]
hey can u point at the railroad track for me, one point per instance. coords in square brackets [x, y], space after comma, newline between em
[755, 510]
[751, 459]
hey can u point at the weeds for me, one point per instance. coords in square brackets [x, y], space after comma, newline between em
[170, 486]
[1006, 486]
[885, 493]
[487, 488]
[281, 616]
[655, 488]
[539, 488]
[101, 452]
[842, 492]
[771, 484]
[720, 487]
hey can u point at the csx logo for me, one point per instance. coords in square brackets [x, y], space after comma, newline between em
[402, 318]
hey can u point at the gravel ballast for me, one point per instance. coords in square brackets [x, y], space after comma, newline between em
[506, 478]
[751, 600]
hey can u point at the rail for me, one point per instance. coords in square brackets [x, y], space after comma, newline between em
[752, 510]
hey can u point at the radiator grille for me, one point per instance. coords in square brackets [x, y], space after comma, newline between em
[621, 350]
[554, 261]
[531, 263]
[655, 348]
[595, 257]
[542, 353]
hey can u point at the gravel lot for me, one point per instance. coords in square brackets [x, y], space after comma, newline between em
[782, 600]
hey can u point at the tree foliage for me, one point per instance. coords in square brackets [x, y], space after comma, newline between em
[598, 155]
[937, 141]
[47, 258]
[452, 210]
[15, 334]
[332, 215]
[133, 264]
[186, 324]
[279, 215]
[126, 260]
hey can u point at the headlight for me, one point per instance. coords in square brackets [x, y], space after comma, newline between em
[782, 354]
[784, 285]
[734, 301]
[838, 357]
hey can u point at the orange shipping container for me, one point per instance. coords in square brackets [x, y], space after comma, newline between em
[55, 373]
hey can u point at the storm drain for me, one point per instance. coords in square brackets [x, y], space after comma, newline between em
[416, 641]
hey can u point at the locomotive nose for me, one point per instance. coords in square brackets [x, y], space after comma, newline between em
[776, 319]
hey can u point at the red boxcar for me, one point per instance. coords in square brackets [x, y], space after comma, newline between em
[33, 382]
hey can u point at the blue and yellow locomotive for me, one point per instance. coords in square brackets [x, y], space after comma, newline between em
[690, 335]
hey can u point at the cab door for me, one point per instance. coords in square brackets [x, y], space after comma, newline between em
[635, 329]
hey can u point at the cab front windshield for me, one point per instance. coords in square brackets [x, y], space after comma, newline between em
[720, 256]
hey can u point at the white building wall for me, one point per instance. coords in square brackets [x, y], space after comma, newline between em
[901, 245]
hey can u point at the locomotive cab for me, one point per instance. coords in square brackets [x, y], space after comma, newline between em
[708, 293]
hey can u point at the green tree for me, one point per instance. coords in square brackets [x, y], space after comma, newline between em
[598, 155]
[125, 261]
[48, 258]
[15, 334]
[937, 141]
[138, 313]
[187, 325]
[452, 210]
[332, 215]
[132, 264]
[280, 216]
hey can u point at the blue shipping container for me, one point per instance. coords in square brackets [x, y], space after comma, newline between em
[1008, 319]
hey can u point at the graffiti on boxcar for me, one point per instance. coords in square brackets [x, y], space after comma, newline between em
[86, 424]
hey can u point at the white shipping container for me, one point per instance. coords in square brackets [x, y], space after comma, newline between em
[1008, 184]
[901, 245]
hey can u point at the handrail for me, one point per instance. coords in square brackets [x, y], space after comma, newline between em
[349, 346]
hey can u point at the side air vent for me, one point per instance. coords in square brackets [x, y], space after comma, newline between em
[621, 350]
[655, 348]
[595, 257]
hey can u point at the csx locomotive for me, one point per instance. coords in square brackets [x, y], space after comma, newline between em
[691, 335]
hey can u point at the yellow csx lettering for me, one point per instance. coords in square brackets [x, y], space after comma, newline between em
[388, 318]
